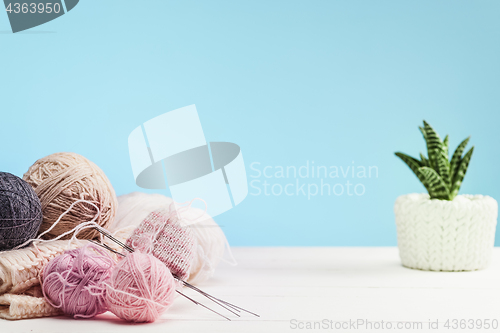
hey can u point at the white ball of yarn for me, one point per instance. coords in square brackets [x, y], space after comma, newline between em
[133, 208]
[210, 246]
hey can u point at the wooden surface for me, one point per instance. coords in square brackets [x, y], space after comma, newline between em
[316, 284]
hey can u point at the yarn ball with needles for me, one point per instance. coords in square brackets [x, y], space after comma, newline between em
[62, 178]
[20, 211]
[140, 288]
[210, 241]
[74, 281]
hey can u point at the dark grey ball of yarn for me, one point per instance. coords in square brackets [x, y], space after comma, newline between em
[20, 211]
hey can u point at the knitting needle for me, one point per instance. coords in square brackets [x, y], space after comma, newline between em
[212, 298]
[237, 308]
[106, 247]
[192, 300]
[189, 298]
[198, 303]
[128, 248]
[185, 283]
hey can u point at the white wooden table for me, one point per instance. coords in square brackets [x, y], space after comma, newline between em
[328, 285]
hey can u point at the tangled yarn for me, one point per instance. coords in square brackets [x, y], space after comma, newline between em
[20, 211]
[210, 241]
[140, 288]
[62, 178]
[74, 281]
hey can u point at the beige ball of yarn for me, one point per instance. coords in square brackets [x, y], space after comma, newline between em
[61, 179]
[133, 208]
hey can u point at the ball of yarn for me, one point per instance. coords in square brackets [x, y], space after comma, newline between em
[62, 178]
[133, 208]
[210, 240]
[20, 211]
[74, 281]
[140, 288]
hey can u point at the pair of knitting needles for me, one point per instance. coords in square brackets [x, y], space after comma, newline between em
[226, 305]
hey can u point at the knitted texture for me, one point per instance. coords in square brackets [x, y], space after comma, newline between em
[20, 211]
[211, 243]
[161, 234]
[61, 179]
[441, 235]
[20, 269]
[14, 307]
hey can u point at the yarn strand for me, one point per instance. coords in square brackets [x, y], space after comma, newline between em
[76, 230]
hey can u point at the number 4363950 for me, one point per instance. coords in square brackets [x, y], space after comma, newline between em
[476, 324]
[33, 8]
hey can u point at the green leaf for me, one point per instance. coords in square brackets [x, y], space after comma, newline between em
[435, 184]
[408, 159]
[446, 144]
[424, 161]
[438, 154]
[422, 131]
[413, 164]
[460, 174]
[457, 157]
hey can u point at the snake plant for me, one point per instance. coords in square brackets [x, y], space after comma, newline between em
[441, 177]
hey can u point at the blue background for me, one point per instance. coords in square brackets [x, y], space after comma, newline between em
[290, 81]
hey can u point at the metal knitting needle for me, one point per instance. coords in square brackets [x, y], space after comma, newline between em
[106, 247]
[128, 248]
[210, 297]
[198, 303]
[216, 300]
[237, 308]
[185, 283]
[189, 298]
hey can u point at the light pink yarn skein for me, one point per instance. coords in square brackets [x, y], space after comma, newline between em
[74, 281]
[140, 288]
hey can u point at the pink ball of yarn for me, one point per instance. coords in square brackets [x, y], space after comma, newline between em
[140, 288]
[74, 281]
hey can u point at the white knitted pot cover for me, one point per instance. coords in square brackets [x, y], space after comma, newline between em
[440, 235]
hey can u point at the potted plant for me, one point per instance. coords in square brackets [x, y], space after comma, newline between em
[441, 230]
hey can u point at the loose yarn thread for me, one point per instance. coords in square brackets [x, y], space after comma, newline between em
[20, 211]
[75, 231]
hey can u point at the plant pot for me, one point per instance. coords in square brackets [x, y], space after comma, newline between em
[440, 235]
